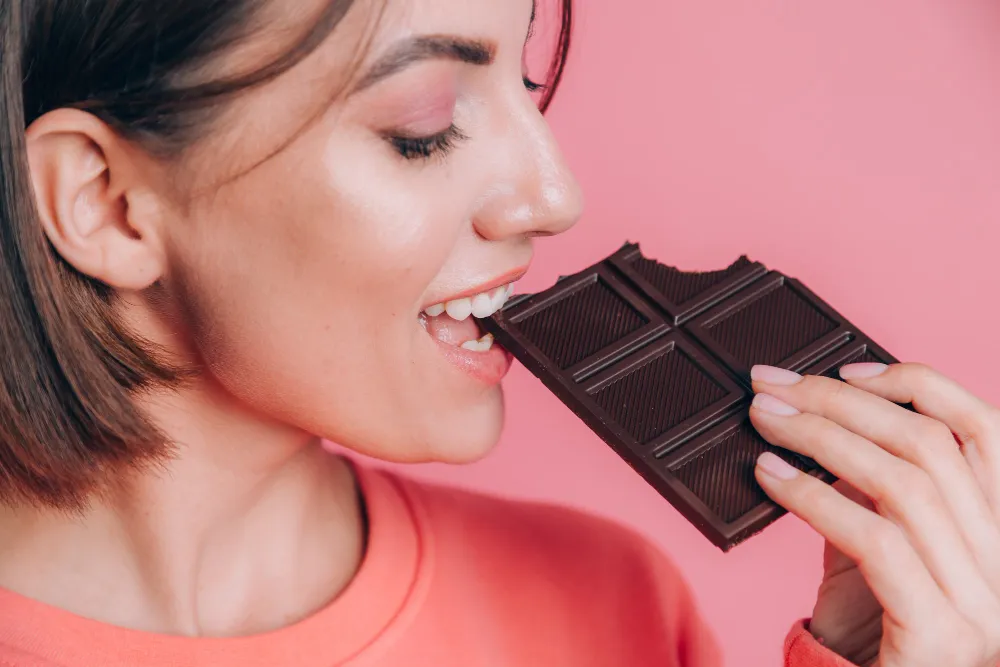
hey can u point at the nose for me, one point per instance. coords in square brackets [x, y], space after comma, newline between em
[532, 191]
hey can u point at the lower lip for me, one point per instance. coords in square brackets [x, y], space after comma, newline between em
[488, 367]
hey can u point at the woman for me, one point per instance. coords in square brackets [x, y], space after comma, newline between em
[233, 228]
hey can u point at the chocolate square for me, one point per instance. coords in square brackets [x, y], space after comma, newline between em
[584, 323]
[638, 399]
[775, 321]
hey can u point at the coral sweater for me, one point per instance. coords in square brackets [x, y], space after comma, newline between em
[450, 578]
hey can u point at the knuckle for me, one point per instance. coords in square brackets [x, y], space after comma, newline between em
[918, 374]
[827, 392]
[935, 433]
[818, 436]
[813, 498]
[929, 441]
[809, 492]
[903, 487]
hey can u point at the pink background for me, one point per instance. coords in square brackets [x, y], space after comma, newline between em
[853, 144]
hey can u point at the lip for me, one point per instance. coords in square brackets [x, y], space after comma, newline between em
[488, 368]
[510, 277]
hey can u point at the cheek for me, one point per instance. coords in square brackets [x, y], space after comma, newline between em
[302, 286]
[393, 224]
[345, 229]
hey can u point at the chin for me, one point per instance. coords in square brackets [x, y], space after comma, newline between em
[469, 450]
[456, 433]
[452, 435]
[468, 436]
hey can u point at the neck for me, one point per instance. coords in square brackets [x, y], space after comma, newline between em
[251, 527]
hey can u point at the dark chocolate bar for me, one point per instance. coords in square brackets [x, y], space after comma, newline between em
[657, 362]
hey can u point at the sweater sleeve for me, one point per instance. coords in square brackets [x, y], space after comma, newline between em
[803, 650]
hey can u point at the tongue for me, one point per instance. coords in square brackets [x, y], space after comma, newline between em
[453, 332]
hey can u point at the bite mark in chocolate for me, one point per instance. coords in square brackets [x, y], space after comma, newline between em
[657, 361]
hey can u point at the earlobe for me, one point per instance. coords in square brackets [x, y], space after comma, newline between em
[83, 180]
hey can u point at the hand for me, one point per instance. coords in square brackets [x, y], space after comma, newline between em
[917, 512]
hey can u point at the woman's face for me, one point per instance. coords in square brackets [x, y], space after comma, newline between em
[305, 283]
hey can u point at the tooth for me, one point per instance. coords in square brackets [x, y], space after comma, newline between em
[499, 298]
[510, 289]
[459, 309]
[435, 310]
[482, 345]
[482, 306]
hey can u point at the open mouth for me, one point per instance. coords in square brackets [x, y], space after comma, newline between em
[455, 322]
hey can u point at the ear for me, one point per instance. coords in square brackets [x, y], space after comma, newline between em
[95, 199]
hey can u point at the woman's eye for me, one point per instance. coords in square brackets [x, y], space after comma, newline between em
[532, 86]
[423, 148]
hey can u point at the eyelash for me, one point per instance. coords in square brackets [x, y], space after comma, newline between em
[424, 148]
[532, 86]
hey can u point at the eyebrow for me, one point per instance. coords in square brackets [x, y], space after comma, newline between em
[430, 47]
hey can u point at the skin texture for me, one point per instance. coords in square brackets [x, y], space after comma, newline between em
[296, 286]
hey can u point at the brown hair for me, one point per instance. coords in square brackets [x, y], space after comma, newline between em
[70, 370]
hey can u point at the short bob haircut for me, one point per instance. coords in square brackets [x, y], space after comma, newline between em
[69, 427]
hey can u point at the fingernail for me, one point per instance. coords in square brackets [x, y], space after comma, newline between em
[768, 403]
[776, 376]
[773, 465]
[862, 371]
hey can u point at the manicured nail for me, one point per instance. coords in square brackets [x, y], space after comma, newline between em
[768, 403]
[862, 371]
[776, 376]
[776, 467]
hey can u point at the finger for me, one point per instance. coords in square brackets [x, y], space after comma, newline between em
[931, 393]
[975, 423]
[894, 572]
[902, 493]
[848, 491]
[915, 438]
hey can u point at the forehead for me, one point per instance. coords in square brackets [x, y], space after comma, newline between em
[498, 20]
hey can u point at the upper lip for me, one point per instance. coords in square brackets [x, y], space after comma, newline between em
[510, 277]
